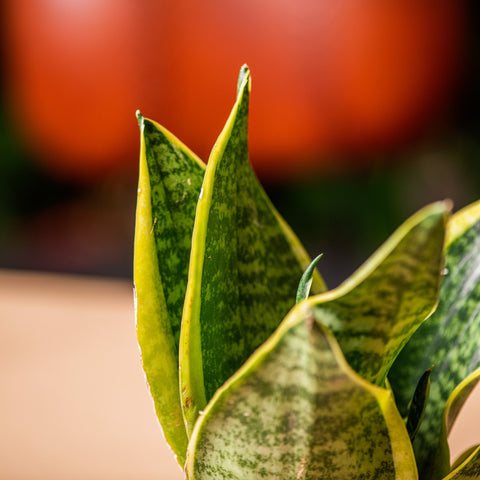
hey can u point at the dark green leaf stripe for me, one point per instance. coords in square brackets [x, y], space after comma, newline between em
[376, 310]
[449, 340]
[244, 270]
[468, 470]
[416, 407]
[170, 179]
[296, 410]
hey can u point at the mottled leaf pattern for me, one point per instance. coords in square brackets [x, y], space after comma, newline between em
[468, 470]
[244, 270]
[215, 271]
[169, 184]
[296, 410]
[449, 340]
[376, 311]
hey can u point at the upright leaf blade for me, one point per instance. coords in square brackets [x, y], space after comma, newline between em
[449, 339]
[305, 284]
[244, 268]
[416, 407]
[296, 410]
[375, 311]
[170, 179]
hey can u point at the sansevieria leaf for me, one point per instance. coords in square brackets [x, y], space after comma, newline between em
[448, 340]
[375, 311]
[417, 405]
[464, 456]
[170, 179]
[244, 269]
[296, 410]
[469, 469]
[305, 284]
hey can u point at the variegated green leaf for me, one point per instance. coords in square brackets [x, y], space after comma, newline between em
[244, 269]
[449, 339]
[296, 410]
[305, 284]
[469, 469]
[375, 311]
[170, 179]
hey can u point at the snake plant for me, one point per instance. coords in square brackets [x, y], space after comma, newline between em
[256, 369]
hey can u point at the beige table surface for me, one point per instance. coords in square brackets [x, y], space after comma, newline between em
[73, 400]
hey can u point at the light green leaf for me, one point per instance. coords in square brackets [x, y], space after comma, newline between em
[296, 410]
[244, 268]
[374, 312]
[468, 470]
[305, 284]
[449, 339]
[170, 179]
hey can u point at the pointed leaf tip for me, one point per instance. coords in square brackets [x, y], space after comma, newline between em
[306, 281]
[140, 119]
[243, 77]
[170, 179]
[244, 268]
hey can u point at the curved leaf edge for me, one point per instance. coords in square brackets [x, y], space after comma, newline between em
[380, 255]
[150, 305]
[439, 212]
[469, 469]
[462, 221]
[402, 450]
[455, 402]
[464, 456]
[192, 389]
[170, 136]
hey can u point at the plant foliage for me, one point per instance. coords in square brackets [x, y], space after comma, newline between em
[256, 369]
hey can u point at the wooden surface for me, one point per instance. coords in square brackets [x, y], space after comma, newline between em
[73, 400]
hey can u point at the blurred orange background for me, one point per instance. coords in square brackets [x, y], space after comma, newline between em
[346, 79]
[362, 111]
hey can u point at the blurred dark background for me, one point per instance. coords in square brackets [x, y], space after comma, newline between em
[362, 112]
